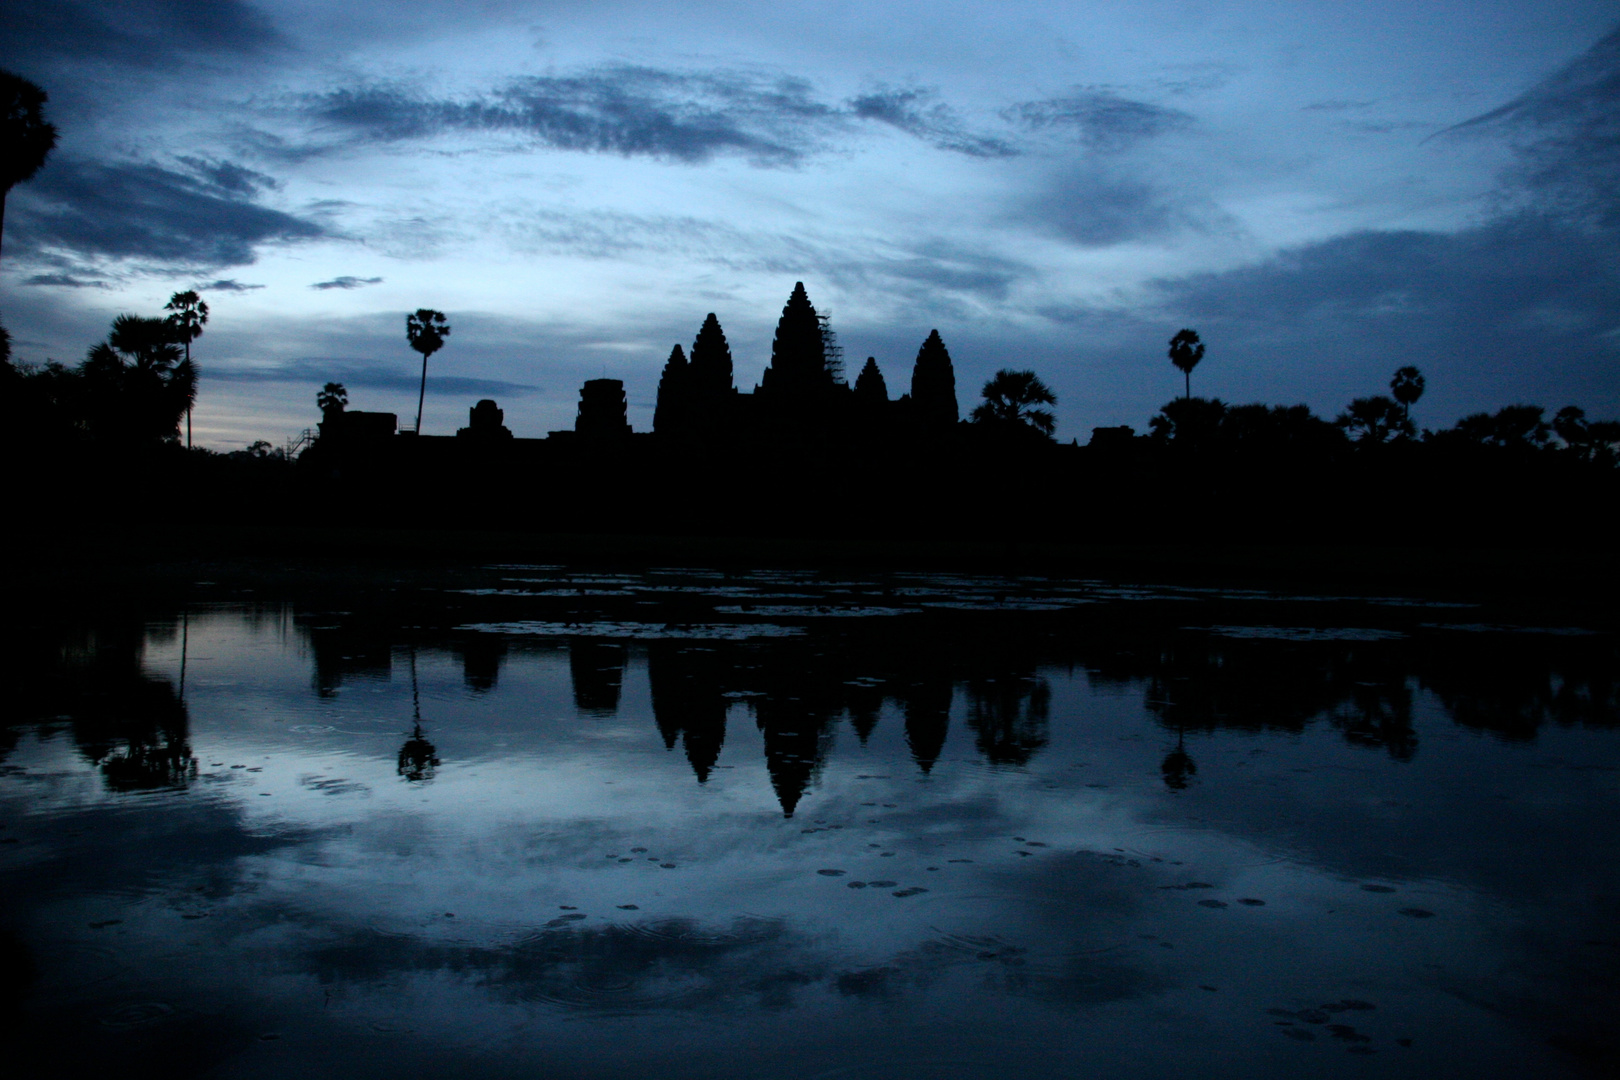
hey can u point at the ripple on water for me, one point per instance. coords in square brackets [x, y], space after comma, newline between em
[744, 930]
[137, 1014]
[953, 1068]
[74, 966]
[392, 1027]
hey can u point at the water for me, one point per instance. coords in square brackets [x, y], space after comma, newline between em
[520, 822]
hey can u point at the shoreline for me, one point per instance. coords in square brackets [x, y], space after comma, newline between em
[1565, 577]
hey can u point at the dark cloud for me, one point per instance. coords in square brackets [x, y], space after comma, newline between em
[600, 234]
[227, 285]
[1100, 119]
[347, 281]
[1566, 131]
[360, 373]
[141, 210]
[623, 109]
[640, 111]
[1097, 207]
[151, 34]
[916, 113]
[940, 279]
[1517, 309]
[1336, 106]
[227, 177]
[65, 281]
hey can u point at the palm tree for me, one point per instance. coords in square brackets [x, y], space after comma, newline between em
[1374, 420]
[190, 316]
[1407, 386]
[136, 385]
[1185, 352]
[426, 331]
[1010, 399]
[25, 136]
[332, 398]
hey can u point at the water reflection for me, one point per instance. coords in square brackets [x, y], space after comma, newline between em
[689, 703]
[418, 758]
[1253, 835]
[481, 658]
[128, 722]
[598, 671]
[1178, 768]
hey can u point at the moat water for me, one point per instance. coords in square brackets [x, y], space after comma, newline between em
[527, 822]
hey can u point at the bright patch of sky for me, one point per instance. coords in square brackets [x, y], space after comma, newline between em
[1059, 187]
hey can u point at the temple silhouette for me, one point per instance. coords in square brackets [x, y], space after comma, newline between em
[802, 398]
[786, 452]
[809, 454]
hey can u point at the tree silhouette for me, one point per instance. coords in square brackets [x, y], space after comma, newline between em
[1589, 440]
[1011, 399]
[1185, 352]
[426, 331]
[1518, 427]
[1375, 420]
[1407, 386]
[933, 383]
[1193, 423]
[332, 400]
[133, 387]
[190, 315]
[25, 136]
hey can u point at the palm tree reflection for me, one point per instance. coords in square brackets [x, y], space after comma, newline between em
[1179, 768]
[418, 758]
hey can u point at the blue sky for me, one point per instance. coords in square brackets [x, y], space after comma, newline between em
[1326, 191]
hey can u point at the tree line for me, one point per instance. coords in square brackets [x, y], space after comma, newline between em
[1368, 424]
[131, 392]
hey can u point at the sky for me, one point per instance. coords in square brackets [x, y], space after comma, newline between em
[1325, 191]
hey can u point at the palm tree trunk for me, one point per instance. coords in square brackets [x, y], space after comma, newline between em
[1188, 376]
[420, 394]
[188, 403]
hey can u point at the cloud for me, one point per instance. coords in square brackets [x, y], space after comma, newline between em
[65, 281]
[1097, 206]
[1336, 106]
[149, 34]
[936, 279]
[915, 112]
[347, 281]
[227, 285]
[619, 109]
[360, 373]
[227, 177]
[1100, 119]
[636, 111]
[1566, 133]
[204, 215]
